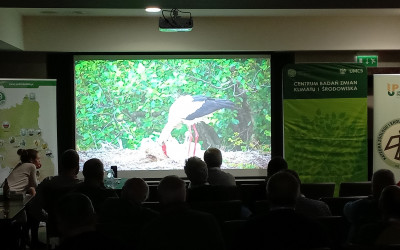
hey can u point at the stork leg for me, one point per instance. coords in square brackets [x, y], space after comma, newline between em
[196, 138]
[190, 137]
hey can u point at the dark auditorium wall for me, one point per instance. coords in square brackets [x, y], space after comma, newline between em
[60, 66]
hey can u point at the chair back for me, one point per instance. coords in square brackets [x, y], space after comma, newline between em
[222, 210]
[336, 204]
[213, 193]
[337, 228]
[318, 190]
[154, 205]
[347, 189]
[230, 232]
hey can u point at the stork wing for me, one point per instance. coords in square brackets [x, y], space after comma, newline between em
[209, 106]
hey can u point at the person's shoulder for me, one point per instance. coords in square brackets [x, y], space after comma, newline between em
[28, 165]
[363, 202]
[213, 169]
[149, 213]
[200, 217]
[90, 240]
[80, 186]
[312, 202]
[230, 178]
[46, 180]
[109, 192]
[114, 201]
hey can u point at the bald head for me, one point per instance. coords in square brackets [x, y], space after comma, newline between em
[283, 190]
[135, 190]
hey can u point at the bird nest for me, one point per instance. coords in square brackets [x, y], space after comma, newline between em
[150, 157]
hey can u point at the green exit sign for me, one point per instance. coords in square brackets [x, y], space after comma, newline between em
[368, 61]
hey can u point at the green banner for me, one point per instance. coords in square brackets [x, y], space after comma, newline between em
[324, 81]
[28, 121]
[26, 83]
[325, 123]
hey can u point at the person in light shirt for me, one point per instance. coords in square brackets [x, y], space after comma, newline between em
[22, 178]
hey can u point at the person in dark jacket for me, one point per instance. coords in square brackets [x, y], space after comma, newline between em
[179, 227]
[282, 227]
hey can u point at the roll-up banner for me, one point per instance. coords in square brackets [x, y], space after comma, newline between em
[28, 120]
[387, 123]
[325, 121]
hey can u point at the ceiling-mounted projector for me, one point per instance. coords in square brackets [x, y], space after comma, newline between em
[175, 23]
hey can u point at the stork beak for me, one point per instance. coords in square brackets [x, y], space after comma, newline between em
[164, 149]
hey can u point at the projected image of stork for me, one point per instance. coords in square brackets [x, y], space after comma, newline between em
[190, 110]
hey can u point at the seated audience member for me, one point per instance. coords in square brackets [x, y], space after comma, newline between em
[387, 230]
[196, 171]
[93, 183]
[76, 220]
[309, 207]
[54, 187]
[123, 218]
[276, 164]
[282, 227]
[22, 178]
[178, 226]
[389, 203]
[200, 190]
[364, 211]
[216, 176]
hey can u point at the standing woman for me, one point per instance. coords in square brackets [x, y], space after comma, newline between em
[22, 178]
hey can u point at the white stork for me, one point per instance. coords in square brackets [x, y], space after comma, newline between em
[190, 110]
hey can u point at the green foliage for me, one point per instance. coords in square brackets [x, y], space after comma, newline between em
[243, 165]
[121, 102]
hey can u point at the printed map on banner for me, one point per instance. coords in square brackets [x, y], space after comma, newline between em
[27, 108]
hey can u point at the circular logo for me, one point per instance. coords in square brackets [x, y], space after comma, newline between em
[2, 98]
[291, 72]
[388, 143]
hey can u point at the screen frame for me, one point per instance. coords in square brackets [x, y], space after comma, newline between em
[184, 55]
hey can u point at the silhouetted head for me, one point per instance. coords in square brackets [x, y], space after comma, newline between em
[294, 173]
[389, 202]
[135, 190]
[276, 164]
[213, 157]
[75, 214]
[93, 170]
[29, 156]
[381, 179]
[172, 189]
[283, 189]
[69, 162]
[196, 170]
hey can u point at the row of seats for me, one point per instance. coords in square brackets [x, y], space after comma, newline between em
[253, 192]
[336, 226]
[229, 214]
[232, 209]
